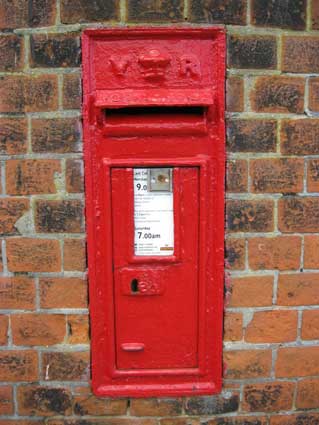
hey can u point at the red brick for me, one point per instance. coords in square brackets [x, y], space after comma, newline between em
[301, 419]
[1, 263]
[300, 137]
[272, 326]
[310, 324]
[251, 291]
[299, 54]
[313, 175]
[75, 11]
[18, 366]
[298, 214]
[78, 329]
[156, 407]
[85, 403]
[13, 136]
[276, 13]
[311, 252]
[268, 397]
[250, 215]
[144, 10]
[181, 421]
[38, 329]
[233, 326]
[234, 94]
[19, 13]
[63, 293]
[297, 361]
[314, 94]
[21, 422]
[28, 93]
[17, 293]
[31, 176]
[6, 401]
[280, 252]
[44, 401]
[246, 364]
[219, 12]
[71, 91]
[274, 175]
[278, 94]
[66, 366]
[62, 216]
[11, 209]
[103, 421]
[315, 14]
[74, 176]
[298, 289]
[212, 405]
[33, 255]
[11, 52]
[308, 394]
[4, 322]
[238, 420]
[74, 254]
[235, 254]
[237, 176]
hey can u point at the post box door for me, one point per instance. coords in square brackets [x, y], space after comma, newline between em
[156, 298]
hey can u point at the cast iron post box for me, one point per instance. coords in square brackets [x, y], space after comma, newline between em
[154, 169]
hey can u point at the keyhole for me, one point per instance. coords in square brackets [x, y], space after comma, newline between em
[134, 285]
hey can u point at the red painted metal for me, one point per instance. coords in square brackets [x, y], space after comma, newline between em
[154, 97]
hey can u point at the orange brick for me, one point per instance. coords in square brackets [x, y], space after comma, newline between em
[299, 137]
[11, 209]
[156, 407]
[33, 176]
[252, 291]
[235, 253]
[234, 94]
[268, 397]
[308, 394]
[78, 327]
[237, 176]
[18, 366]
[4, 321]
[233, 326]
[63, 293]
[310, 324]
[66, 366]
[313, 176]
[87, 403]
[298, 214]
[245, 364]
[13, 135]
[6, 400]
[297, 361]
[314, 94]
[301, 419]
[298, 289]
[311, 252]
[281, 252]
[33, 255]
[17, 293]
[273, 175]
[272, 326]
[74, 254]
[38, 329]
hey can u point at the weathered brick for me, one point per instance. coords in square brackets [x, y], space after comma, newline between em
[11, 52]
[297, 361]
[235, 253]
[31, 176]
[18, 366]
[238, 420]
[11, 209]
[156, 407]
[276, 13]
[75, 11]
[6, 400]
[302, 419]
[38, 329]
[233, 326]
[13, 136]
[186, 420]
[251, 135]
[1, 262]
[310, 324]
[4, 323]
[252, 52]
[21, 13]
[66, 366]
[300, 54]
[71, 90]
[33, 255]
[212, 405]
[250, 216]
[65, 216]
[298, 214]
[55, 50]
[268, 397]
[300, 137]
[272, 326]
[103, 421]
[219, 11]
[308, 394]
[298, 289]
[28, 93]
[280, 252]
[246, 364]
[311, 252]
[85, 403]
[314, 94]
[152, 10]
[315, 15]
[234, 94]
[278, 94]
[61, 135]
[74, 176]
[78, 328]
[74, 255]
[313, 175]
[251, 291]
[237, 176]
[63, 293]
[43, 401]
[17, 293]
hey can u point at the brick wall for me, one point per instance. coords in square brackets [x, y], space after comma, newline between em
[271, 349]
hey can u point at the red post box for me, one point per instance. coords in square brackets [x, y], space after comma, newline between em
[154, 168]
